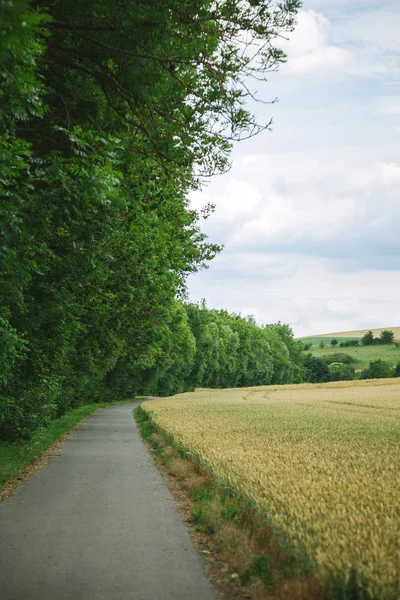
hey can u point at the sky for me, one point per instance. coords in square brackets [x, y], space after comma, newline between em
[309, 213]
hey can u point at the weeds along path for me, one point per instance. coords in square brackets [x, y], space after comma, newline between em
[98, 522]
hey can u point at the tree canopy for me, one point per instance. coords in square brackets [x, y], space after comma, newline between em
[110, 113]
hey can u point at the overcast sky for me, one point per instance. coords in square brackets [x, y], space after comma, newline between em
[309, 213]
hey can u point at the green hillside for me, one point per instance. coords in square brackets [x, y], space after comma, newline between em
[363, 354]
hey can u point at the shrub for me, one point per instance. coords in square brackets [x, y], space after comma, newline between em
[316, 369]
[349, 343]
[321, 344]
[341, 372]
[386, 337]
[367, 339]
[334, 342]
[338, 357]
[378, 369]
[397, 370]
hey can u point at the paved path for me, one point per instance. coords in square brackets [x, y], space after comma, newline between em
[98, 523]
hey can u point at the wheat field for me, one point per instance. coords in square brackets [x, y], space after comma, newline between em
[321, 461]
[357, 333]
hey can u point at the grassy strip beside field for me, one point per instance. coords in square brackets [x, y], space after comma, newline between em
[326, 340]
[16, 456]
[319, 461]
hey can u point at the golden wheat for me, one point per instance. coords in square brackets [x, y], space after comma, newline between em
[321, 461]
[356, 333]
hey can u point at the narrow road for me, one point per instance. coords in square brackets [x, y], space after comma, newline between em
[98, 523]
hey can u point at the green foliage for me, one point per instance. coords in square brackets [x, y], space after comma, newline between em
[109, 115]
[315, 340]
[317, 370]
[232, 351]
[341, 372]
[349, 343]
[377, 369]
[367, 339]
[359, 355]
[259, 568]
[338, 357]
[334, 342]
[351, 588]
[397, 370]
[386, 337]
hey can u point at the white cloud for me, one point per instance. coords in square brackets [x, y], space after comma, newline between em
[310, 204]
[308, 48]
[389, 106]
[311, 251]
[309, 213]
[312, 301]
[238, 200]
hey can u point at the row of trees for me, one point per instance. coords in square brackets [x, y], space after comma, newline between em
[344, 344]
[110, 114]
[232, 351]
[386, 337]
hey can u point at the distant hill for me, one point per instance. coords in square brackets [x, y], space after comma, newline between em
[320, 345]
[358, 333]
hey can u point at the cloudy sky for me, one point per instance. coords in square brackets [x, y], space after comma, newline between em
[309, 214]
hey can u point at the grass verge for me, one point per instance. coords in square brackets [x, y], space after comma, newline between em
[254, 561]
[20, 459]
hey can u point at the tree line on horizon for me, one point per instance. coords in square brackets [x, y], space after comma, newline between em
[386, 337]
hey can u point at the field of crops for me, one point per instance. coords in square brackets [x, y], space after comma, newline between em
[358, 333]
[321, 460]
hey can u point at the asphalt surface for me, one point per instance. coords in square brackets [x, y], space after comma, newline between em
[98, 523]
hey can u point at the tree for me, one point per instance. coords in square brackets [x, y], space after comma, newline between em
[340, 372]
[317, 371]
[232, 351]
[334, 342]
[386, 337]
[367, 339]
[110, 115]
[378, 369]
[338, 357]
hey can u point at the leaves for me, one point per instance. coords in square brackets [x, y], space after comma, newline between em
[109, 113]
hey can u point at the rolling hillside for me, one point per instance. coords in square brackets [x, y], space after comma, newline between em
[320, 345]
[357, 333]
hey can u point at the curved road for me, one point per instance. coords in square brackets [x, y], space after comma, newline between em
[98, 523]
